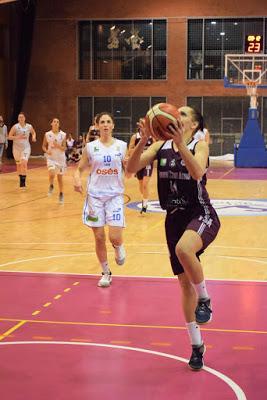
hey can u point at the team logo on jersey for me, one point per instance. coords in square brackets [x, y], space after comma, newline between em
[96, 149]
[107, 171]
[172, 163]
[182, 163]
[163, 162]
[224, 207]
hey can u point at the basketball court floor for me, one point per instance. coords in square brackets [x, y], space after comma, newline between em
[62, 337]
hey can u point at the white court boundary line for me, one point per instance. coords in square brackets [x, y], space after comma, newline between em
[122, 276]
[128, 245]
[173, 278]
[240, 395]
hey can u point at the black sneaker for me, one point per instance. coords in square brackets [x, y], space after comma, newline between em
[50, 190]
[61, 198]
[203, 311]
[143, 210]
[196, 362]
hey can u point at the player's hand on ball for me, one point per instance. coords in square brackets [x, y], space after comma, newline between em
[178, 132]
[142, 129]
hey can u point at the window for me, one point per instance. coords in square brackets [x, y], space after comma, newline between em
[118, 50]
[126, 111]
[195, 56]
[210, 39]
[226, 118]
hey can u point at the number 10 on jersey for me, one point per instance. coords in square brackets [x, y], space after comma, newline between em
[107, 159]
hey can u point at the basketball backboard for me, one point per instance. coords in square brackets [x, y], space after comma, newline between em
[243, 70]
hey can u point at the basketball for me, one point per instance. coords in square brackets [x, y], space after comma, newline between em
[159, 119]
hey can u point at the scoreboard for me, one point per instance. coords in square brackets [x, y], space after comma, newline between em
[253, 44]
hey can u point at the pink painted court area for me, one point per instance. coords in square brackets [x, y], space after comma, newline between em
[233, 173]
[62, 337]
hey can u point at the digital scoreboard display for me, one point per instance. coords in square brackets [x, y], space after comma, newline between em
[254, 44]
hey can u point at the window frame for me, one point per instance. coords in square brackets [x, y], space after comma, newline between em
[152, 100]
[244, 20]
[91, 78]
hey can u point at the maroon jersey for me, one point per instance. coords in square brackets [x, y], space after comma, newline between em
[176, 188]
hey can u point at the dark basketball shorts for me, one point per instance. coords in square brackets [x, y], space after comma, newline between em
[203, 221]
[147, 171]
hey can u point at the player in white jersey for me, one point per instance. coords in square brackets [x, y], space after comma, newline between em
[203, 135]
[20, 134]
[105, 158]
[3, 139]
[54, 146]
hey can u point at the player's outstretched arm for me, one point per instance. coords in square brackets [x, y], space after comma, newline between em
[138, 158]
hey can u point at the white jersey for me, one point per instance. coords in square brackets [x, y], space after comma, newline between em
[3, 134]
[57, 155]
[23, 143]
[200, 135]
[106, 176]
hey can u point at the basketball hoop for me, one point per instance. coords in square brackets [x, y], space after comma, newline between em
[251, 87]
[244, 70]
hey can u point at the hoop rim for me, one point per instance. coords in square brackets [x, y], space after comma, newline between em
[250, 84]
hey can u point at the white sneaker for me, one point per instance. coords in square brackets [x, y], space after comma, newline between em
[105, 280]
[120, 254]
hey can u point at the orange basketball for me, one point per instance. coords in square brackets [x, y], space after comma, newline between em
[159, 118]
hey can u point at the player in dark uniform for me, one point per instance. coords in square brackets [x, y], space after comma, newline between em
[191, 222]
[93, 132]
[144, 174]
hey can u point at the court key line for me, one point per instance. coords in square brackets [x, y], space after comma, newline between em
[226, 173]
[13, 329]
[133, 326]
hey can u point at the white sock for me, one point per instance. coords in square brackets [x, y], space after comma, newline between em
[194, 333]
[105, 267]
[145, 201]
[201, 290]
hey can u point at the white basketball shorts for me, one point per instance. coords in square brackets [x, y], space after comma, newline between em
[21, 154]
[55, 167]
[99, 212]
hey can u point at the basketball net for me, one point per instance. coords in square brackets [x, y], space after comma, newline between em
[251, 87]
